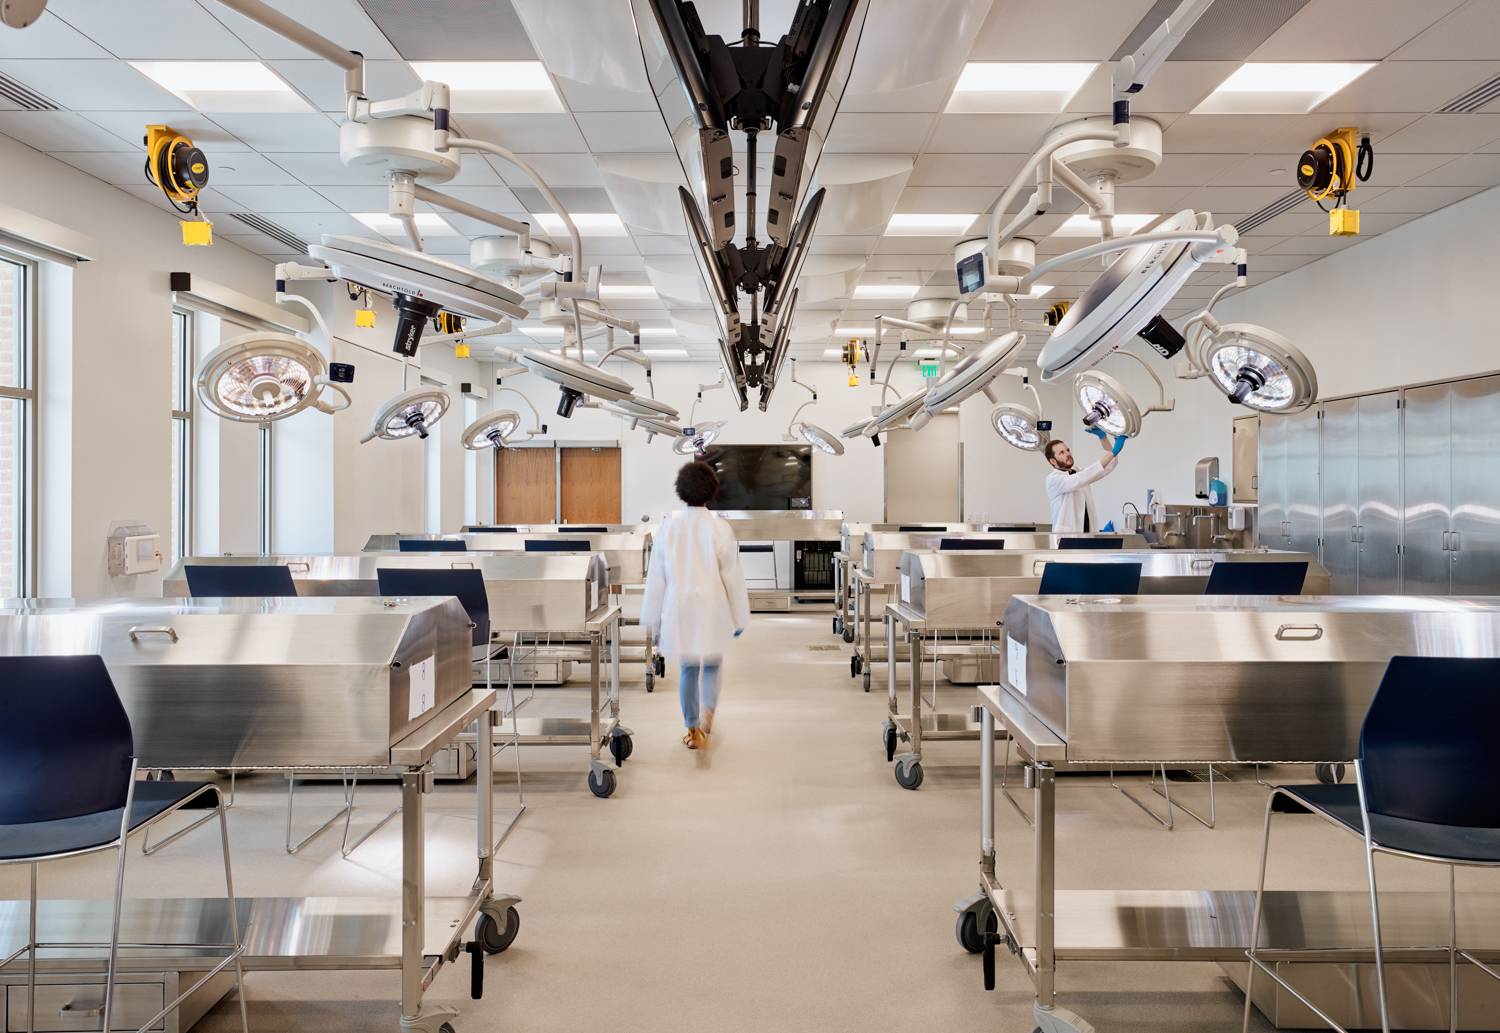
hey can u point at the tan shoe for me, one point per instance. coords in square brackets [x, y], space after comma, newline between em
[691, 739]
[706, 722]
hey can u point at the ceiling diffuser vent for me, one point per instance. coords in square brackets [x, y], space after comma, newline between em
[1472, 101]
[24, 96]
[270, 229]
[1277, 207]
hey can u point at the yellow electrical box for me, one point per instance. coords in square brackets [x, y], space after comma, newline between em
[853, 379]
[198, 233]
[364, 317]
[1343, 222]
[461, 350]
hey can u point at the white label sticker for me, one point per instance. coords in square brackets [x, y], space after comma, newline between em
[1015, 664]
[593, 595]
[906, 588]
[423, 681]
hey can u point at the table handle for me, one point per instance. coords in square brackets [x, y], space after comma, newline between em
[162, 629]
[1299, 633]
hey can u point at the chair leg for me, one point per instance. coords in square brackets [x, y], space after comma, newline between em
[1452, 949]
[31, 958]
[1260, 899]
[114, 916]
[234, 921]
[1385, 1018]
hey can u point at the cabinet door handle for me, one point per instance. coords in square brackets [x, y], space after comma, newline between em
[1457, 540]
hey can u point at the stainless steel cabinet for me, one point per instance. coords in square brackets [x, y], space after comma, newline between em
[1475, 543]
[1272, 529]
[1427, 477]
[1245, 473]
[1340, 501]
[1304, 502]
[1378, 518]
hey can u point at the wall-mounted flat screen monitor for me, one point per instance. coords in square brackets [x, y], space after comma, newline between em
[762, 476]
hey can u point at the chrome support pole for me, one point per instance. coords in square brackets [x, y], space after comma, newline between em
[413, 888]
[986, 792]
[1046, 884]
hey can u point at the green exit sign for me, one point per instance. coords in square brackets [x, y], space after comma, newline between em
[928, 368]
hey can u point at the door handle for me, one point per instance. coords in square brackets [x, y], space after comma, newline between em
[306, 568]
[1299, 633]
[1457, 540]
[1446, 546]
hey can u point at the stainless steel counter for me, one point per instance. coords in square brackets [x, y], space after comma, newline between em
[627, 553]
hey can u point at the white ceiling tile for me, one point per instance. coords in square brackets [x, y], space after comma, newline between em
[527, 134]
[257, 243]
[1482, 170]
[881, 134]
[1300, 219]
[990, 134]
[1310, 244]
[1153, 199]
[246, 168]
[1056, 30]
[931, 96]
[323, 83]
[1441, 134]
[624, 131]
[495, 198]
[113, 167]
[295, 198]
[62, 131]
[1413, 199]
[174, 29]
[1274, 168]
[283, 133]
[49, 37]
[1288, 134]
[1188, 170]
[1260, 263]
[1350, 30]
[1420, 86]
[992, 170]
[651, 245]
[1177, 87]
[319, 169]
[964, 200]
[92, 85]
[370, 198]
[1472, 33]
[130, 128]
[343, 21]
[580, 96]
[559, 170]
[1232, 199]
[311, 226]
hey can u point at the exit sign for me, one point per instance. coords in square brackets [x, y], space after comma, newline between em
[928, 368]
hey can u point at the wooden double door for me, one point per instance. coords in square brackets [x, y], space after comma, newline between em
[557, 484]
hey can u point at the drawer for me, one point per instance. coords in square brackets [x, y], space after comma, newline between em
[79, 1007]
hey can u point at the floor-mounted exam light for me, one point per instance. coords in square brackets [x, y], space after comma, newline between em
[409, 413]
[493, 430]
[264, 377]
[1258, 368]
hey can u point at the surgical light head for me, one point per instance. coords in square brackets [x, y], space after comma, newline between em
[1107, 405]
[1019, 426]
[973, 373]
[824, 441]
[1259, 369]
[695, 440]
[420, 285]
[264, 377]
[491, 431]
[409, 413]
[576, 379]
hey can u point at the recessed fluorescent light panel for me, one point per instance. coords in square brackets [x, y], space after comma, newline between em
[885, 291]
[919, 224]
[658, 331]
[627, 290]
[869, 331]
[1082, 226]
[666, 353]
[388, 226]
[590, 224]
[479, 87]
[1275, 88]
[224, 87]
[543, 333]
[1018, 86]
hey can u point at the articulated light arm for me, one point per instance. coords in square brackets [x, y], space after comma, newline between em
[1163, 404]
[1135, 70]
[1208, 244]
[352, 63]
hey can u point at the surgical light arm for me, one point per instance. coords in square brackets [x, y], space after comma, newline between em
[351, 62]
[1208, 246]
[1163, 403]
[1134, 71]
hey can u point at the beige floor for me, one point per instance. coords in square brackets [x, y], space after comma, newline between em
[780, 882]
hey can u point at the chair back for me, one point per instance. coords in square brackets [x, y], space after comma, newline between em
[65, 738]
[1022, 528]
[480, 529]
[971, 544]
[215, 581]
[1091, 543]
[558, 545]
[1090, 579]
[1281, 577]
[584, 529]
[432, 545]
[918, 529]
[1427, 747]
[467, 586]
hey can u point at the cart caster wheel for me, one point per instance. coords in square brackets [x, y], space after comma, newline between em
[838, 626]
[495, 938]
[602, 784]
[867, 681]
[660, 665]
[909, 774]
[966, 930]
[447, 1027]
[650, 682]
[1330, 774]
[849, 635]
[621, 747]
[889, 739]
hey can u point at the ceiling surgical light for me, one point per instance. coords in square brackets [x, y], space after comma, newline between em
[576, 379]
[1106, 404]
[264, 377]
[974, 372]
[817, 437]
[410, 413]
[1259, 369]
[492, 430]
[695, 440]
[1019, 426]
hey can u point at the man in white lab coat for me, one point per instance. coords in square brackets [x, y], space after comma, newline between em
[1068, 491]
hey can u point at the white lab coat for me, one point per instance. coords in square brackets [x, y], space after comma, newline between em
[695, 591]
[1070, 497]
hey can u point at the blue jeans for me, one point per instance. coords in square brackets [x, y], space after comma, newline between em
[698, 686]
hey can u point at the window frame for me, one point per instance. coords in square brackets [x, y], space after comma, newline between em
[26, 395]
[183, 428]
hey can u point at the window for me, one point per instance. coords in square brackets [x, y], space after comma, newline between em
[267, 479]
[432, 476]
[184, 361]
[17, 426]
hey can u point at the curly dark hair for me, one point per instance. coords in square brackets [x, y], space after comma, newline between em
[697, 484]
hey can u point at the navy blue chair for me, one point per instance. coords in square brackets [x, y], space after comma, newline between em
[1091, 543]
[1424, 787]
[584, 529]
[1279, 577]
[971, 544]
[919, 528]
[477, 529]
[71, 789]
[1090, 579]
[1020, 528]
[558, 545]
[432, 545]
[467, 586]
[225, 581]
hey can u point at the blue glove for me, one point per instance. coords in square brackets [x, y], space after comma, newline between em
[738, 632]
[1118, 446]
[1096, 432]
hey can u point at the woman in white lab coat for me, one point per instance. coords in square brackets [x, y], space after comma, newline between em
[696, 600]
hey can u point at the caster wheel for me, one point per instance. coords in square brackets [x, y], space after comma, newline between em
[909, 775]
[849, 635]
[650, 682]
[166, 776]
[1330, 774]
[889, 739]
[621, 747]
[867, 681]
[660, 664]
[967, 930]
[838, 625]
[602, 784]
[447, 1027]
[494, 937]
